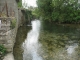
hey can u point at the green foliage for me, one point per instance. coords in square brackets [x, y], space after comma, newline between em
[2, 50]
[13, 23]
[45, 8]
[55, 16]
[20, 3]
[63, 11]
[28, 15]
[35, 12]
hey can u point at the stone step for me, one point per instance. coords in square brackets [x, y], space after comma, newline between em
[6, 18]
[6, 29]
[1, 30]
[3, 41]
[2, 38]
[5, 24]
[3, 33]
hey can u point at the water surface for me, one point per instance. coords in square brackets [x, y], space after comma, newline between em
[55, 42]
[21, 35]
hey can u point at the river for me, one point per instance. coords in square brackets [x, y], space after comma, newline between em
[44, 41]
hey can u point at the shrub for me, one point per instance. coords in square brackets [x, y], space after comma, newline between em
[2, 50]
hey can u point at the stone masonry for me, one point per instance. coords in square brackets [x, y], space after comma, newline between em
[8, 10]
[7, 35]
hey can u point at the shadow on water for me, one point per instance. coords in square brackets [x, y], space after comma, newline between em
[21, 35]
[58, 28]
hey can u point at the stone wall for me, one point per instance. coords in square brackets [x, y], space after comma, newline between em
[9, 7]
[21, 16]
[7, 34]
[12, 11]
[9, 37]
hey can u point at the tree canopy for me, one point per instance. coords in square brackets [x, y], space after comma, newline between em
[62, 11]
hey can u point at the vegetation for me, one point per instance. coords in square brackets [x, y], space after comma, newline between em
[61, 11]
[20, 3]
[13, 23]
[36, 12]
[2, 50]
[29, 15]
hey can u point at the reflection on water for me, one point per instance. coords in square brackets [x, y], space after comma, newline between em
[60, 42]
[21, 35]
[71, 48]
[31, 45]
[55, 42]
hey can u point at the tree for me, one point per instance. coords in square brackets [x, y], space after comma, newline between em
[20, 3]
[45, 8]
[62, 11]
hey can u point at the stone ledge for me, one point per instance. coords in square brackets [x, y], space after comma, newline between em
[6, 18]
[9, 56]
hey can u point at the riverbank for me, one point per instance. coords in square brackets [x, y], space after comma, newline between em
[62, 24]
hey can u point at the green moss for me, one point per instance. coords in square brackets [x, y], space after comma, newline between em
[13, 23]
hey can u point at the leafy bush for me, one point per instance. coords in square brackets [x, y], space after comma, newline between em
[2, 50]
[20, 3]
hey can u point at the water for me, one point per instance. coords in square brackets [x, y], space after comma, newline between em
[71, 48]
[49, 42]
[20, 38]
[60, 42]
[31, 44]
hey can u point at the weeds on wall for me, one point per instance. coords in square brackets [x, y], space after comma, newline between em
[3, 15]
[2, 50]
[13, 23]
[20, 3]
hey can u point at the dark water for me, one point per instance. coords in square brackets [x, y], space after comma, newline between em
[21, 35]
[57, 42]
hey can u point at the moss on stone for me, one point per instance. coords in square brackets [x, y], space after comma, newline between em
[13, 23]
